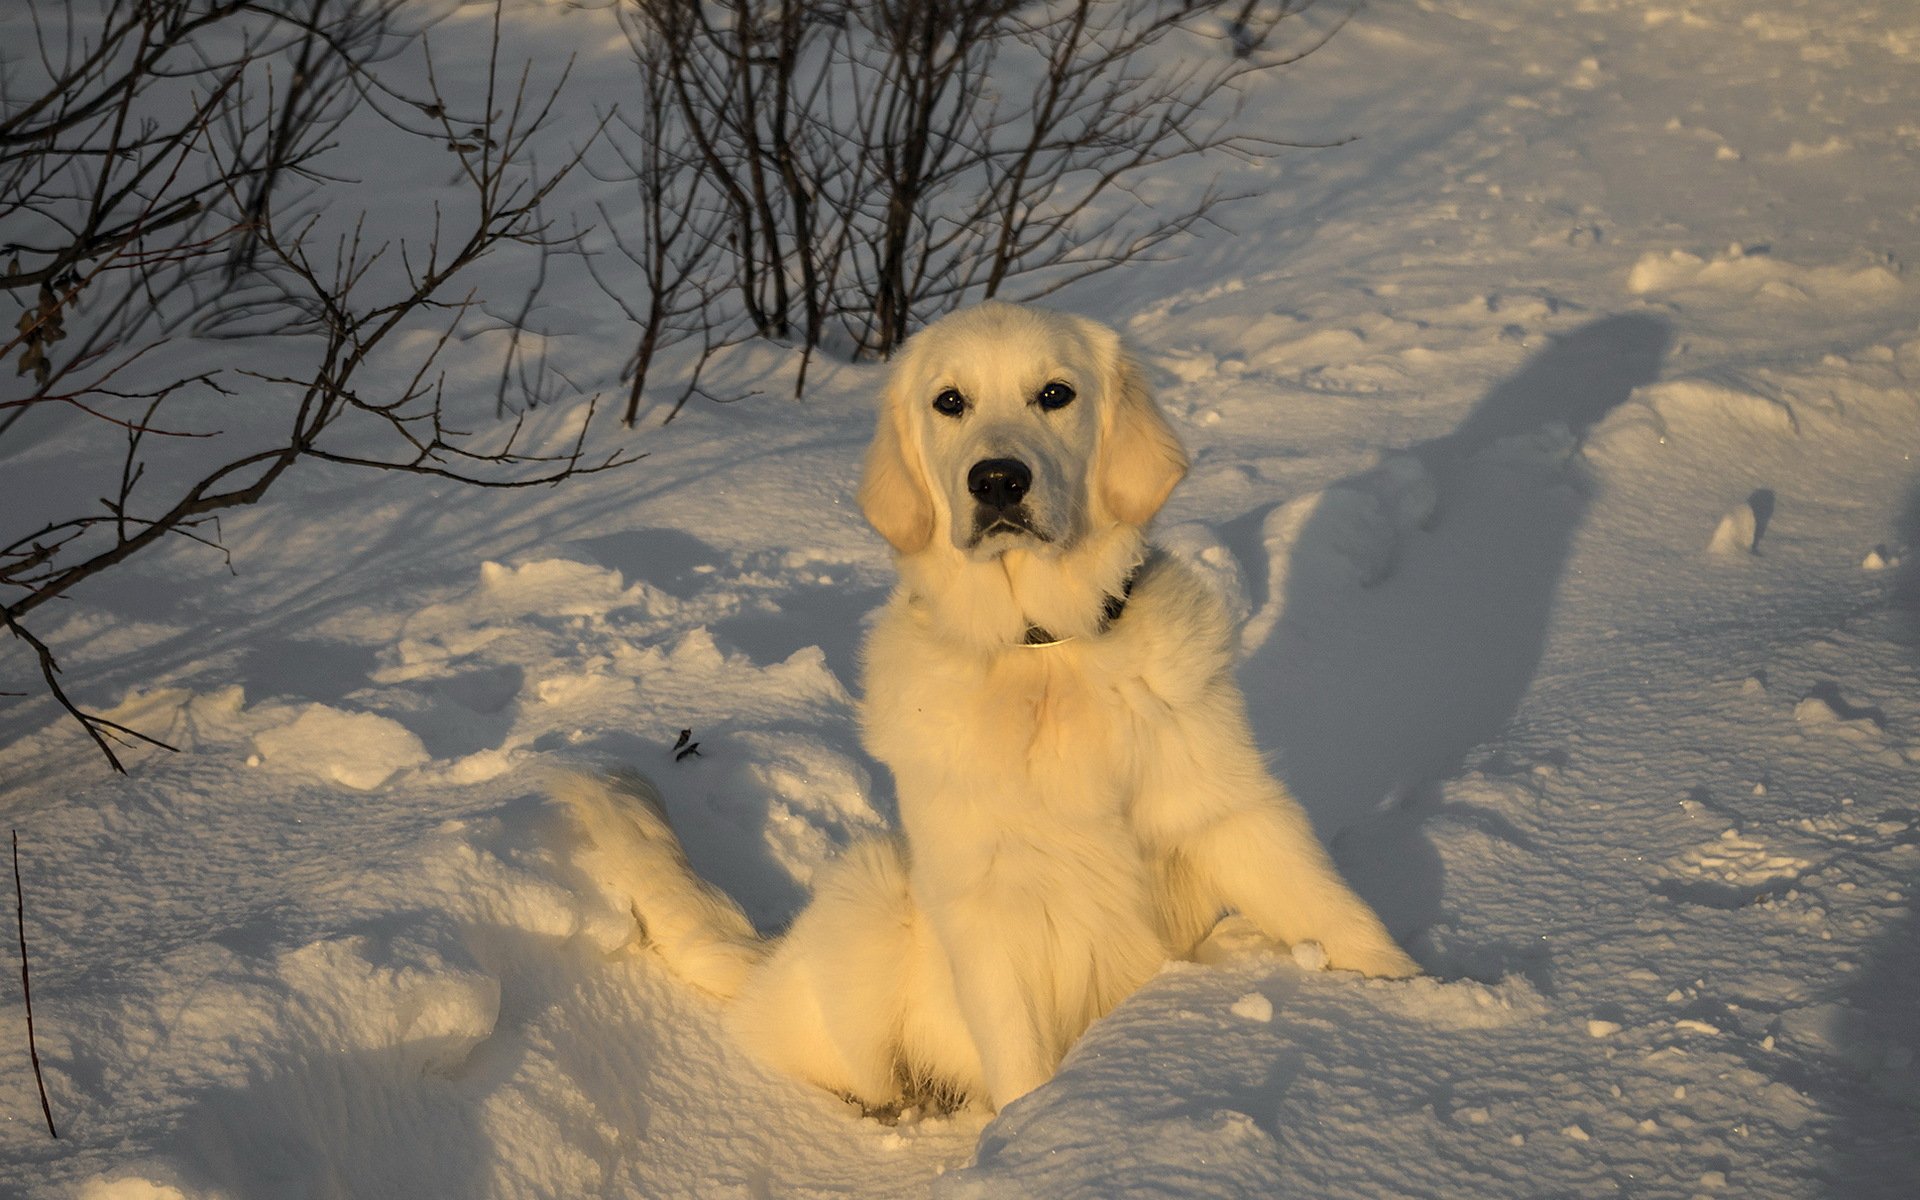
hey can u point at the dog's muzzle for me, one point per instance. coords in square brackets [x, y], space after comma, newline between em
[999, 489]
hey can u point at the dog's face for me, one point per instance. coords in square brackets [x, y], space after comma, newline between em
[1004, 426]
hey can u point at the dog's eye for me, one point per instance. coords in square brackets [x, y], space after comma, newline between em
[950, 403]
[1054, 395]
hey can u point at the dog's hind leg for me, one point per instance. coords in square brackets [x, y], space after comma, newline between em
[842, 999]
[853, 997]
[698, 929]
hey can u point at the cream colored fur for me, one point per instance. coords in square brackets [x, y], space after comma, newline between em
[1072, 815]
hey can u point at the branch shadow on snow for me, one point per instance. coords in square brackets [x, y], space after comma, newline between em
[1873, 1153]
[1407, 609]
[371, 544]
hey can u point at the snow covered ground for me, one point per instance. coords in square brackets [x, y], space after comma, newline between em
[1557, 440]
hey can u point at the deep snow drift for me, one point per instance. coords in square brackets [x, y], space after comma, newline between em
[1556, 439]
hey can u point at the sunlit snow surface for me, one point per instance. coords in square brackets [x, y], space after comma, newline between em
[1556, 439]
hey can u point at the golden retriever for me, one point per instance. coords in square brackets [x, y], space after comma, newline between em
[1080, 796]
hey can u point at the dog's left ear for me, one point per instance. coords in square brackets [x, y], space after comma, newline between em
[892, 494]
[1140, 460]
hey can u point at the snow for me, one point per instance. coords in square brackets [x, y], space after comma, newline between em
[1739, 531]
[1555, 440]
[1253, 1007]
[360, 750]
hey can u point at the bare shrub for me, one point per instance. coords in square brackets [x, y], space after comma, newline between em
[873, 165]
[193, 301]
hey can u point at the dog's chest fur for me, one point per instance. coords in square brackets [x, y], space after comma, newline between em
[1018, 733]
[1025, 798]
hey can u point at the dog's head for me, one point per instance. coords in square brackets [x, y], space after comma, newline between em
[1007, 426]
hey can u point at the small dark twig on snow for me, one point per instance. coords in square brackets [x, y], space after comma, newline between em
[26, 989]
[686, 747]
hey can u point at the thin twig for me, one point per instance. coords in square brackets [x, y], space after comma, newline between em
[26, 987]
[98, 727]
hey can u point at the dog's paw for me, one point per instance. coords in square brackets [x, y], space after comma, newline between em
[1235, 939]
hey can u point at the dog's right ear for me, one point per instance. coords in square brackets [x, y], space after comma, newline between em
[1140, 457]
[893, 492]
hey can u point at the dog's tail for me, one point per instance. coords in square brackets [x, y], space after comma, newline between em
[631, 848]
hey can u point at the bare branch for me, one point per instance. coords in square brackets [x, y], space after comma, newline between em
[167, 185]
[99, 728]
[26, 987]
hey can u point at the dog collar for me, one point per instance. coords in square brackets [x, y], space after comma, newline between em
[1109, 613]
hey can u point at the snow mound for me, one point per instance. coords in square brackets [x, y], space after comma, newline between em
[1738, 533]
[1456, 1003]
[1740, 862]
[550, 592]
[1826, 710]
[555, 586]
[1743, 273]
[129, 1188]
[360, 750]
[1309, 956]
[402, 997]
[1734, 535]
[1680, 402]
[1253, 1007]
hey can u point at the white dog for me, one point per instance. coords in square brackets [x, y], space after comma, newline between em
[1080, 796]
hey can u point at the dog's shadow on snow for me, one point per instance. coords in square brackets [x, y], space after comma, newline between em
[1407, 607]
[1872, 1152]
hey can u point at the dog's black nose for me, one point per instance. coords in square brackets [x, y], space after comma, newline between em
[999, 482]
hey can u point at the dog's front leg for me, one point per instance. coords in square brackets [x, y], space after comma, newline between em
[1246, 844]
[1265, 861]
